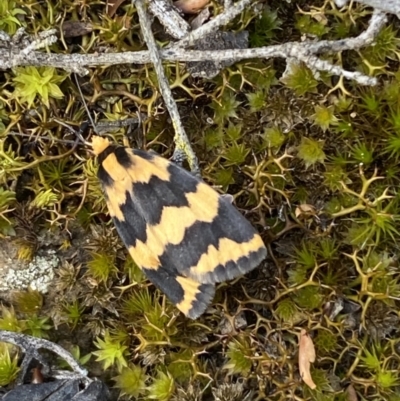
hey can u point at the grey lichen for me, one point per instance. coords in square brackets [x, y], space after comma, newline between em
[38, 274]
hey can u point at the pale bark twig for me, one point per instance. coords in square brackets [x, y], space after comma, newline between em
[388, 6]
[169, 18]
[220, 20]
[182, 143]
[303, 51]
[30, 346]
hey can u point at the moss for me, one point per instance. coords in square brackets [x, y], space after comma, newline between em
[8, 366]
[238, 354]
[311, 151]
[131, 381]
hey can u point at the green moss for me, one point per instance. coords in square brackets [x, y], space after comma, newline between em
[321, 393]
[29, 302]
[297, 275]
[301, 80]
[7, 199]
[328, 248]
[9, 16]
[9, 320]
[131, 381]
[101, 266]
[225, 109]
[38, 326]
[133, 271]
[286, 310]
[111, 352]
[309, 297]
[387, 379]
[311, 151]
[326, 341]
[73, 312]
[256, 100]
[224, 177]
[149, 313]
[386, 45]
[324, 117]
[180, 365]
[213, 138]
[43, 82]
[8, 365]
[362, 153]
[305, 24]
[306, 255]
[264, 27]
[45, 199]
[138, 302]
[238, 354]
[235, 154]
[392, 146]
[162, 387]
[334, 176]
[273, 137]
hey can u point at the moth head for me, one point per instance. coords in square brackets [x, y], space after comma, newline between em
[99, 144]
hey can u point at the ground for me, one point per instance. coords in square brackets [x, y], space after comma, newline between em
[311, 160]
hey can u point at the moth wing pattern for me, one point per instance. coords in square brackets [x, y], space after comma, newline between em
[180, 231]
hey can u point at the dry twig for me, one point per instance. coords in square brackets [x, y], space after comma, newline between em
[182, 143]
[302, 51]
[169, 17]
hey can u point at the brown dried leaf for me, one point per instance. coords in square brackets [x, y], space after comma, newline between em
[113, 6]
[73, 29]
[306, 357]
[191, 6]
[351, 393]
[305, 209]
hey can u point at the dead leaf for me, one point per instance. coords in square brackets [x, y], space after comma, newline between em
[351, 393]
[306, 357]
[37, 376]
[305, 209]
[113, 6]
[191, 6]
[73, 29]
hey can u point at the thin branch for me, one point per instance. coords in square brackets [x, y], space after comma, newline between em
[388, 6]
[296, 50]
[220, 20]
[376, 23]
[30, 346]
[182, 143]
[169, 17]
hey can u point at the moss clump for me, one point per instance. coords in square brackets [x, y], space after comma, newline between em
[8, 365]
[111, 351]
[162, 388]
[238, 354]
[311, 151]
[300, 79]
[101, 266]
[31, 82]
[131, 381]
[29, 302]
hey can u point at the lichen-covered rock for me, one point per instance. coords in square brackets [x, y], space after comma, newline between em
[16, 274]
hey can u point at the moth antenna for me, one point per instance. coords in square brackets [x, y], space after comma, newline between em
[85, 105]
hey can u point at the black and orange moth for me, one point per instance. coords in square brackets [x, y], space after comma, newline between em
[179, 231]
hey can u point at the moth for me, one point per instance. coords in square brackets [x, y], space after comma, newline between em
[179, 231]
